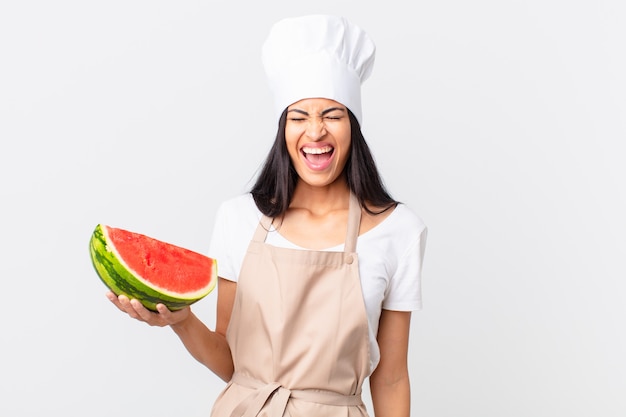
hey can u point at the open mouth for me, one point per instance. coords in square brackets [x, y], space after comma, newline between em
[318, 156]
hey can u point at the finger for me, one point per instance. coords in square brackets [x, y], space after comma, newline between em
[164, 311]
[173, 317]
[113, 299]
[146, 315]
[121, 302]
[127, 307]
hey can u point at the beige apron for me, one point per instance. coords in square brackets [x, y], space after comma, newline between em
[298, 332]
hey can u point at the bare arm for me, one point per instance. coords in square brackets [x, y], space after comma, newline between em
[389, 384]
[208, 347]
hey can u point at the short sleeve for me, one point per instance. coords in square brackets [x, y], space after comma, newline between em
[404, 292]
[220, 244]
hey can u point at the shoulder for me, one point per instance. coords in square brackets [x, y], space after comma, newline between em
[239, 207]
[399, 233]
[403, 222]
[406, 216]
[402, 233]
[237, 216]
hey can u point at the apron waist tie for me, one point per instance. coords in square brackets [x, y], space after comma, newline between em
[277, 397]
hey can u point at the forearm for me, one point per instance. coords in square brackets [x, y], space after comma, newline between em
[389, 383]
[206, 346]
[391, 398]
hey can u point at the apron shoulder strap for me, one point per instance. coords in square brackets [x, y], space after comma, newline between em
[262, 228]
[354, 221]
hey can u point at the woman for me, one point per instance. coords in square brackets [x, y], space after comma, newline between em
[319, 266]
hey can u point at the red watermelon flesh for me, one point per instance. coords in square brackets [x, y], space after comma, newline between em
[151, 270]
[162, 265]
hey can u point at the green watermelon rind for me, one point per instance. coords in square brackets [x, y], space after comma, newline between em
[120, 279]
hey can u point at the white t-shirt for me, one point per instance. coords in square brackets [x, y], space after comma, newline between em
[390, 257]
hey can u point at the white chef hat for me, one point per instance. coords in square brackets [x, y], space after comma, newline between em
[317, 56]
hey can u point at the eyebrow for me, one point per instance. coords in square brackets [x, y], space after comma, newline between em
[324, 112]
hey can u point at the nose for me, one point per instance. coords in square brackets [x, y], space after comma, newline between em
[316, 129]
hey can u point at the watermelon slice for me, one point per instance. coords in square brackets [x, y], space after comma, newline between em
[150, 270]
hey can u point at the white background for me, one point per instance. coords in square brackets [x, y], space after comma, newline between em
[501, 123]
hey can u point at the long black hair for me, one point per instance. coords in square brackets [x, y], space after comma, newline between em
[275, 184]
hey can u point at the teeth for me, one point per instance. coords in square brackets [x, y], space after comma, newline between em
[317, 151]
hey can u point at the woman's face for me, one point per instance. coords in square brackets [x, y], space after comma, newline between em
[318, 136]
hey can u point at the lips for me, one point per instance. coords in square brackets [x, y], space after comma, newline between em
[318, 158]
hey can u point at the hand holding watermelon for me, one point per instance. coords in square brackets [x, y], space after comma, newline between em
[135, 309]
[135, 266]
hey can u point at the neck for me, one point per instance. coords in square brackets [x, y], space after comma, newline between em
[321, 199]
